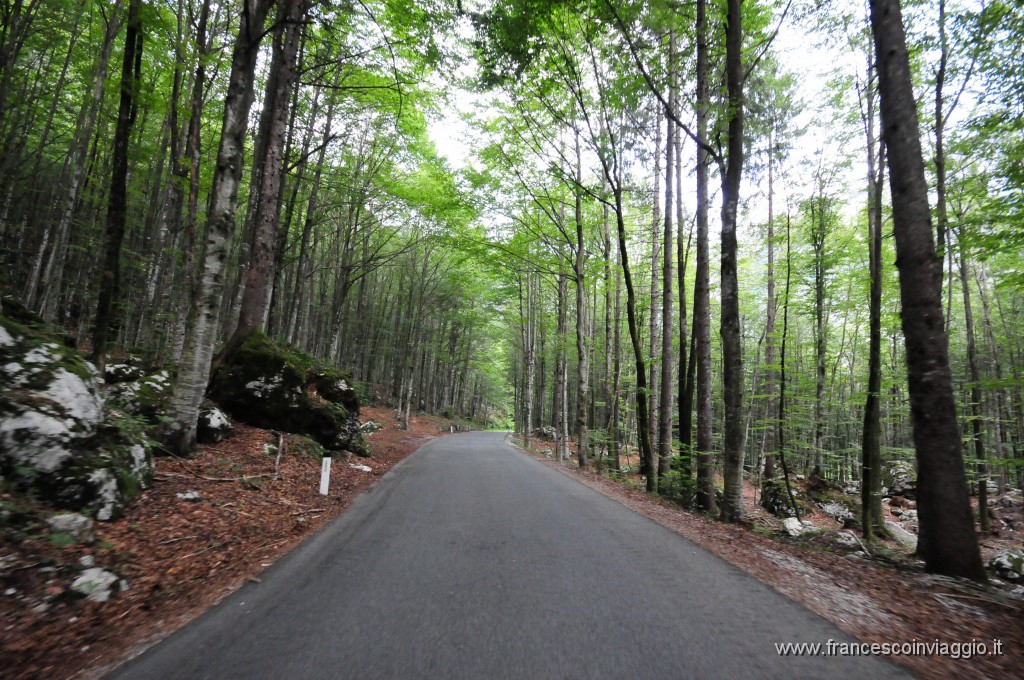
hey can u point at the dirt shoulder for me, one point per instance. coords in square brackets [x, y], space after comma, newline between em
[179, 557]
[873, 598]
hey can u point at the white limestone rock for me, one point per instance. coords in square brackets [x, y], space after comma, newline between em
[901, 535]
[98, 585]
[76, 525]
[1009, 564]
[214, 425]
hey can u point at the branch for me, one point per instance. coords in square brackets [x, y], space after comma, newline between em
[653, 87]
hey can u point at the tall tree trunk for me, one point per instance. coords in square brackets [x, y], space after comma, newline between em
[941, 209]
[781, 420]
[665, 408]
[769, 441]
[872, 519]
[201, 330]
[260, 276]
[108, 306]
[649, 469]
[560, 408]
[687, 364]
[732, 354]
[977, 432]
[642, 416]
[582, 366]
[819, 228]
[949, 544]
[702, 286]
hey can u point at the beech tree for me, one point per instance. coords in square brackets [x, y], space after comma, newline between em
[947, 528]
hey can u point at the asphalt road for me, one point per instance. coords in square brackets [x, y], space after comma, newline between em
[471, 560]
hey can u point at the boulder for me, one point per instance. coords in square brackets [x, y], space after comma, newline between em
[370, 427]
[842, 540]
[214, 425]
[266, 385]
[795, 527]
[773, 498]
[119, 373]
[901, 535]
[837, 511]
[77, 526]
[1009, 564]
[1007, 500]
[56, 440]
[900, 477]
[97, 585]
[546, 432]
[148, 396]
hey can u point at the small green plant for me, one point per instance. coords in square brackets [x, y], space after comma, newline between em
[61, 539]
[304, 446]
[678, 487]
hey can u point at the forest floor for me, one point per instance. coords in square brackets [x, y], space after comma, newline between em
[179, 557]
[877, 596]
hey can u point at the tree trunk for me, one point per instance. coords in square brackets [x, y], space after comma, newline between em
[769, 442]
[108, 307]
[583, 366]
[665, 408]
[643, 427]
[977, 433]
[819, 228]
[947, 535]
[201, 330]
[872, 519]
[732, 354]
[653, 326]
[560, 409]
[260, 276]
[702, 286]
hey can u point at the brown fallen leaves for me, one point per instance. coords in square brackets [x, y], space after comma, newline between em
[179, 556]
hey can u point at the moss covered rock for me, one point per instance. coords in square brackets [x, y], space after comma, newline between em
[214, 425]
[266, 385]
[148, 396]
[773, 498]
[57, 443]
[900, 479]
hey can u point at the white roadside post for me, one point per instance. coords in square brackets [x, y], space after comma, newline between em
[325, 473]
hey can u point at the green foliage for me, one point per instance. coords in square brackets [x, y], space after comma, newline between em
[61, 539]
[678, 486]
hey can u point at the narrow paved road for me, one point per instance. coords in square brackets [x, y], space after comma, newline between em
[471, 560]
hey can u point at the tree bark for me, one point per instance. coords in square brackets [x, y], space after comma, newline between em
[732, 355]
[201, 330]
[872, 519]
[977, 431]
[702, 286]
[108, 305]
[947, 535]
[260, 276]
[583, 366]
[665, 407]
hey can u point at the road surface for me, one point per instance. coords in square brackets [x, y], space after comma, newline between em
[471, 560]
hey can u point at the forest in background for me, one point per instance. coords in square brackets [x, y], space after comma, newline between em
[641, 252]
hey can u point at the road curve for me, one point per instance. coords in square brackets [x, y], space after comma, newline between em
[472, 560]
